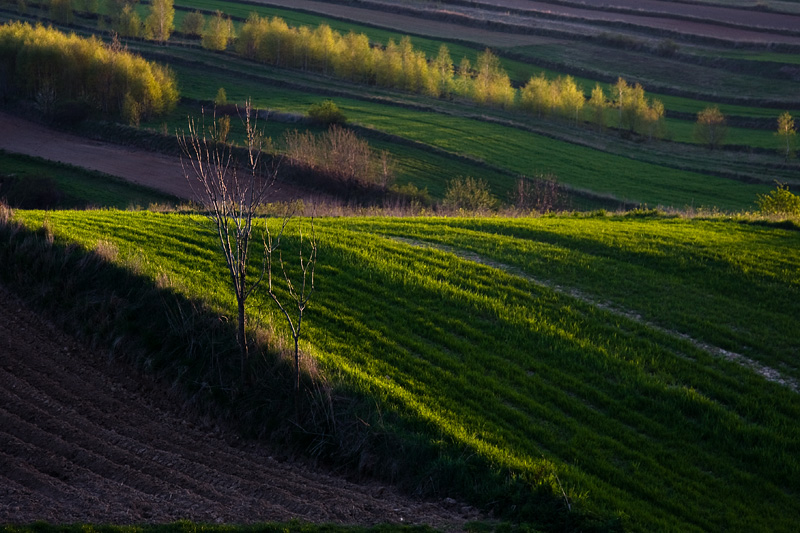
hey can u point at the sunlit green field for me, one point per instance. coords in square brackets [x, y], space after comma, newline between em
[583, 353]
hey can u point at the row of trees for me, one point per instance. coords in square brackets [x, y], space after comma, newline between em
[50, 67]
[400, 66]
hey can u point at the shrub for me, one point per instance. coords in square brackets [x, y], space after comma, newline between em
[339, 155]
[326, 113]
[222, 98]
[780, 201]
[219, 32]
[469, 194]
[193, 24]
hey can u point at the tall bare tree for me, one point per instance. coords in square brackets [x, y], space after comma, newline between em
[231, 189]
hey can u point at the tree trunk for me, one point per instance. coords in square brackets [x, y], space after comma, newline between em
[242, 338]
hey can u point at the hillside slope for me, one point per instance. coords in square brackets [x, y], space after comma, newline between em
[84, 440]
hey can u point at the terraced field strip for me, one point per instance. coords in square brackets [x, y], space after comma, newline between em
[519, 71]
[583, 21]
[735, 11]
[507, 148]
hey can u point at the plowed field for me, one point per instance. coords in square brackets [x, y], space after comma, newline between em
[83, 440]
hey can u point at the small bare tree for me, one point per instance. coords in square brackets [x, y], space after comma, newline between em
[299, 293]
[230, 188]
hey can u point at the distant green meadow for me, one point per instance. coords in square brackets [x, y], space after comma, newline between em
[582, 354]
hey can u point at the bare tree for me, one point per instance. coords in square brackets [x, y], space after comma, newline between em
[230, 189]
[299, 293]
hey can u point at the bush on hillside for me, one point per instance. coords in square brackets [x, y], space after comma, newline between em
[340, 156]
[326, 113]
[469, 194]
[780, 201]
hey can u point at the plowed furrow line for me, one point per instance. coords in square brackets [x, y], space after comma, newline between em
[179, 451]
[102, 457]
[21, 476]
[230, 471]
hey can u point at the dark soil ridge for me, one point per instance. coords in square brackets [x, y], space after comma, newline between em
[85, 439]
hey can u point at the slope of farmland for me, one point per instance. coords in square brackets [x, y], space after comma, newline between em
[84, 440]
[647, 366]
[676, 16]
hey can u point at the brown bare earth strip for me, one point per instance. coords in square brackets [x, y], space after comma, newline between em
[418, 25]
[757, 20]
[157, 171]
[82, 439]
[540, 16]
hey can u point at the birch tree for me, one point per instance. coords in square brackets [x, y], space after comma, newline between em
[786, 133]
[160, 22]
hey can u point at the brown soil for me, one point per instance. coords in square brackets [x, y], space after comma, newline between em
[577, 18]
[411, 24]
[156, 171]
[656, 14]
[83, 439]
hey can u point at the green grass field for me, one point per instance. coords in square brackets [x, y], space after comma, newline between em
[574, 352]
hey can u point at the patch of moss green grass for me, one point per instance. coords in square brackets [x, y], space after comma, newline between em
[490, 381]
[185, 526]
[31, 180]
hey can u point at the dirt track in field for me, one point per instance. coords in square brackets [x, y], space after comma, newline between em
[156, 171]
[82, 440]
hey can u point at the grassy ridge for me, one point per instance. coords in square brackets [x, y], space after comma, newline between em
[636, 422]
